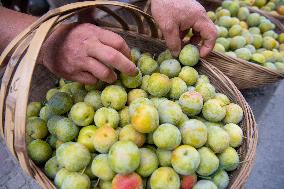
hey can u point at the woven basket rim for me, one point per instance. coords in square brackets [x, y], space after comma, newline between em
[15, 108]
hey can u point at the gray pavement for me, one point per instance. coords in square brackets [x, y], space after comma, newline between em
[268, 106]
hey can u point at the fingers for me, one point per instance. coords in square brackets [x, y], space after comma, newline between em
[171, 33]
[110, 57]
[99, 70]
[208, 33]
[84, 77]
[113, 40]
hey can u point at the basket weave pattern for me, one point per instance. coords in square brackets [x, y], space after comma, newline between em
[243, 73]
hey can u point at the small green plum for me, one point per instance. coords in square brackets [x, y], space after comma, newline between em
[185, 159]
[218, 139]
[106, 117]
[93, 98]
[189, 55]
[114, 96]
[209, 162]
[124, 157]
[170, 67]
[229, 159]
[101, 169]
[234, 113]
[213, 110]
[164, 157]
[189, 75]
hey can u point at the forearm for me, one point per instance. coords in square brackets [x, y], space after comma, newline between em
[12, 23]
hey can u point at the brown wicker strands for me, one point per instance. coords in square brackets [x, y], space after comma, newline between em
[243, 73]
[24, 81]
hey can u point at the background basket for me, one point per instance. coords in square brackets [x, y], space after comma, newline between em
[24, 80]
[243, 73]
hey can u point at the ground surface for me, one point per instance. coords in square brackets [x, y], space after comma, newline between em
[268, 105]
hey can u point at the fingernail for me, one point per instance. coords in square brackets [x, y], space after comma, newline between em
[135, 71]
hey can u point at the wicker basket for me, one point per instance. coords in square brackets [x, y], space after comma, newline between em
[24, 80]
[243, 73]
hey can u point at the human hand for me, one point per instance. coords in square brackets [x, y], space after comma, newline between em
[174, 17]
[86, 53]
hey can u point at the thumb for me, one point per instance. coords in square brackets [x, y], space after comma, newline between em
[171, 34]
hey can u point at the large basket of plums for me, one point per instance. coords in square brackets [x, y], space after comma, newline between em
[180, 123]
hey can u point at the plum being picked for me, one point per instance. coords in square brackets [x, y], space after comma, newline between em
[144, 84]
[165, 55]
[189, 55]
[135, 54]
